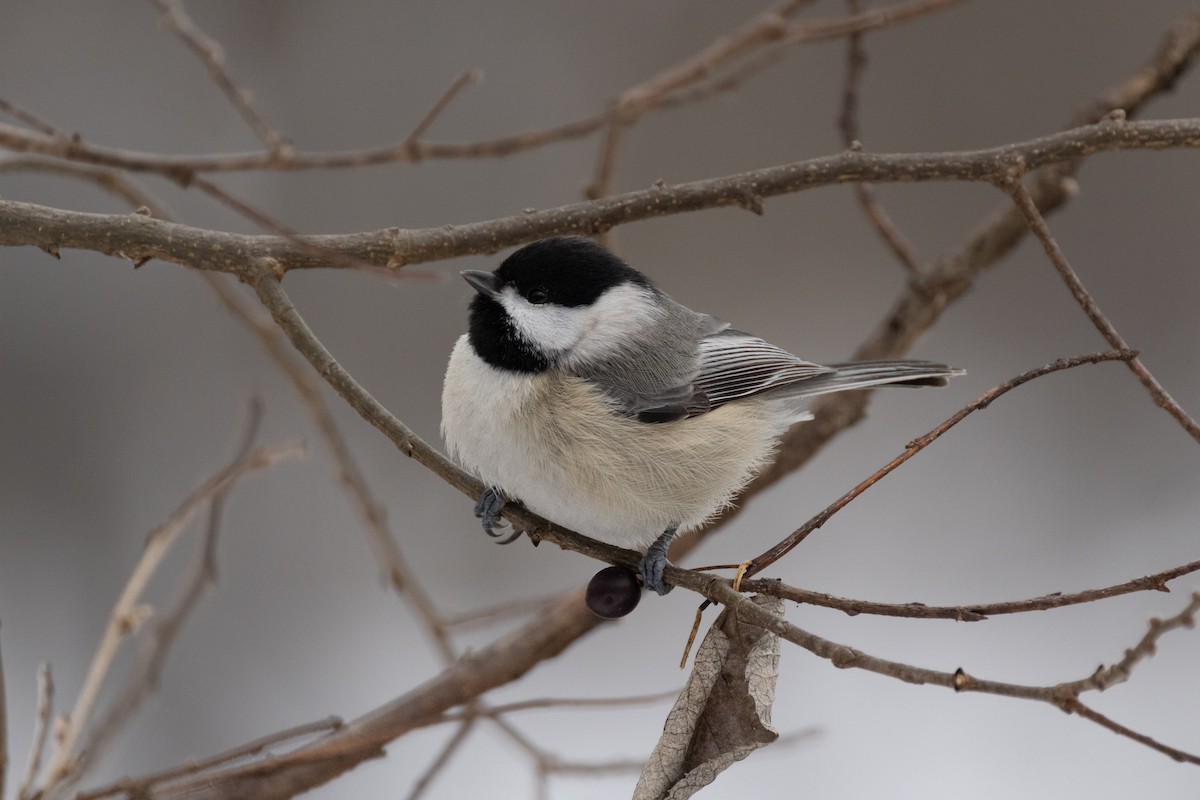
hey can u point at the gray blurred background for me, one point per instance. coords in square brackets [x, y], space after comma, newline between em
[121, 390]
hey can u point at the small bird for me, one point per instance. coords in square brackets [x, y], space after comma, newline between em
[587, 394]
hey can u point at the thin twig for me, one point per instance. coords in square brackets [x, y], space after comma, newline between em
[602, 703]
[401, 576]
[489, 615]
[112, 181]
[137, 786]
[398, 573]
[921, 303]
[761, 562]
[1074, 706]
[635, 102]
[128, 612]
[464, 80]
[856, 63]
[443, 758]
[970, 612]
[176, 19]
[145, 675]
[606, 167]
[1037, 224]
[31, 119]
[845, 657]
[45, 709]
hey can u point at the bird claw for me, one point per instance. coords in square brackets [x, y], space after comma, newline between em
[654, 562]
[488, 509]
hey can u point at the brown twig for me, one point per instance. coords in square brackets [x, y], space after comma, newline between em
[136, 787]
[631, 104]
[399, 574]
[128, 612]
[856, 63]
[41, 727]
[766, 559]
[547, 764]
[176, 19]
[31, 119]
[138, 238]
[1074, 706]
[970, 612]
[396, 569]
[921, 302]
[846, 657]
[489, 615]
[603, 703]
[1037, 224]
[471, 76]
[443, 758]
[144, 676]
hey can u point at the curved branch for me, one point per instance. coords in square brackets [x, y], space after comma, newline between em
[138, 237]
[971, 612]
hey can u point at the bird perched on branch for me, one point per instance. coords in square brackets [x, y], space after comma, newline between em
[587, 394]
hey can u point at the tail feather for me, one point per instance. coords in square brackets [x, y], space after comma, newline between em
[866, 374]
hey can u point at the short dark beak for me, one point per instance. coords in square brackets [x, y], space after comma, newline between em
[486, 283]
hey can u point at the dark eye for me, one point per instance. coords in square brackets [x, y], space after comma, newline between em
[537, 296]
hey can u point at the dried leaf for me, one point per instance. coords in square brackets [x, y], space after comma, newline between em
[723, 713]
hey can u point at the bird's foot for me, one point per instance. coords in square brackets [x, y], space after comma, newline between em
[655, 561]
[488, 509]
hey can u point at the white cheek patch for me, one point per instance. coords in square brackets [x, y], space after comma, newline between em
[550, 328]
[582, 333]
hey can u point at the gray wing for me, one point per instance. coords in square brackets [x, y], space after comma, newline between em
[734, 364]
[729, 364]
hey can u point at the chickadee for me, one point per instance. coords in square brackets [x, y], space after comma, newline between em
[590, 396]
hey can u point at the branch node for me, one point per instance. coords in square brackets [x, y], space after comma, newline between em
[855, 146]
[962, 681]
[1114, 117]
[750, 200]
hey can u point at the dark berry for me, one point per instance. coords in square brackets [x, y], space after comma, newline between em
[613, 592]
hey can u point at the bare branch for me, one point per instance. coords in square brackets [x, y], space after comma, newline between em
[770, 26]
[856, 63]
[138, 786]
[1076, 707]
[970, 612]
[921, 303]
[603, 703]
[502, 661]
[1037, 224]
[463, 81]
[45, 709]
[491, 614]
[145, 675]
[443, 758]
[176, 19]
[128, 613]
[399, 574]
[31, 119]
[137, 238]
[761, 562]
[846, 657]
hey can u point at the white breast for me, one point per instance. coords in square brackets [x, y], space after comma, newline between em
[552, 442]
